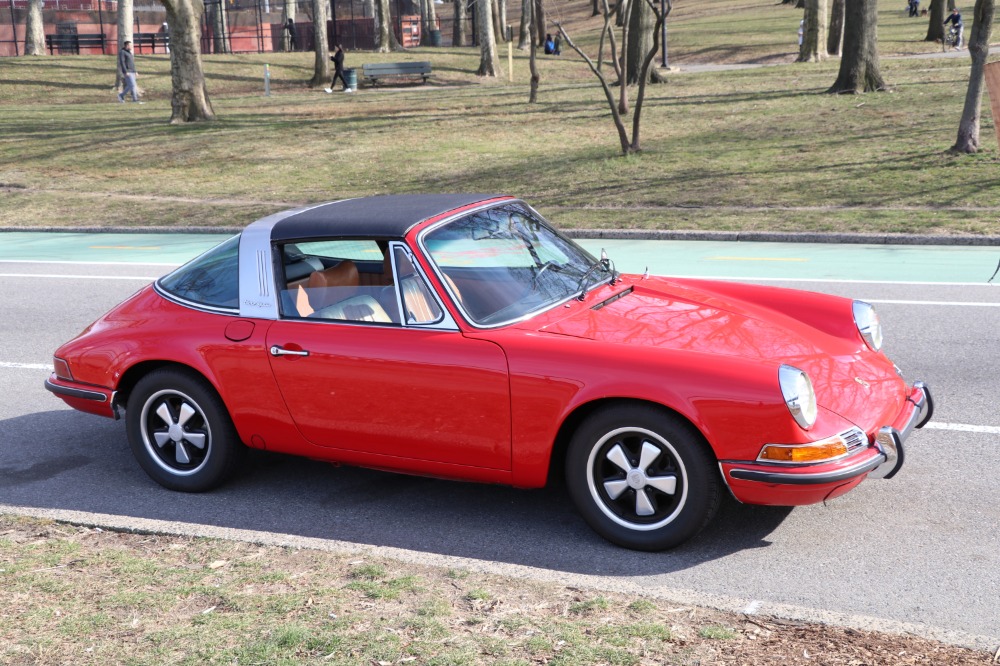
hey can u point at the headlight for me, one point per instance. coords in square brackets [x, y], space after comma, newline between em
[868, 325]
[797, 390]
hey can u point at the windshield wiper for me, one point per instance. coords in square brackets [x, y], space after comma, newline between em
[603, 263]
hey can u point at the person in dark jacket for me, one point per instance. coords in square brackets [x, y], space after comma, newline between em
[338, 69]
[126, 69]
[956, 20]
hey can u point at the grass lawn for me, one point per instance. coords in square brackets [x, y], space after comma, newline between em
[761, 149]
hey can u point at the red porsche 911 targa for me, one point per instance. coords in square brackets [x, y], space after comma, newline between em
[461, 336]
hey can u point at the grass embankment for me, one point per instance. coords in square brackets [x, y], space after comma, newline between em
[73, 595]
[760, 149]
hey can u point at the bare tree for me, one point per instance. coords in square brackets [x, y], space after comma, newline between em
[430, 22]
[288, 14]
[34, 29]
[385, 38]
[628, 146]
[540, 22]
[814, 37]
[607, 30]
[189, 100]
[220, 26]
[640, 37]
[126, 18]
[488, 63]
[859, 65]
[532, 55]
[461, 15]
[835, 36]
[321, 48]
[524, 31]
[979, 48]
[935, 23]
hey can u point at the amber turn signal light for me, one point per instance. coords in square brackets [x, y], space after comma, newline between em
[827, 449]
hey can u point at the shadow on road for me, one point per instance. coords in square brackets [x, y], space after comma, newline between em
[70, 461]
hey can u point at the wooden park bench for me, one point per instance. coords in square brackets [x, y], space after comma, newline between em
[72, 43]
[151, 39]
[375, 72]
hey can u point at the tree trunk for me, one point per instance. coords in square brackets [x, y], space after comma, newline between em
[189, 100]
[935, 26]
[532, 58]
[623, 75]
[814, 37]
[644, 77]
[640, 39]
[387, 41]
[502, 9]
[321, 48]
[498, 36]
[220, 27]
[859, 66]
[287, 12]
[429, 21]
[461, 16]
[979, 48]
[126, 18]
[34, 29]
[488, 63]
[540, 22]
[835, 36]
[524, 30]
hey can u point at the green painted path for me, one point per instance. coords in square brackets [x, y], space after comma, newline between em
[799, 261]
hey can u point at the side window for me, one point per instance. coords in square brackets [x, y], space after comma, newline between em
[338, 280]
[211, 279]
[419, 305]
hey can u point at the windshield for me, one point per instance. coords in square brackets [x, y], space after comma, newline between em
[504, 263]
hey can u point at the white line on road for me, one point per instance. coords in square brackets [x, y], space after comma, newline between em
[956, 427]
[78, 277]
[979, 305]
[85, 263]
[905, 283]
[26, 366]
[963, 427]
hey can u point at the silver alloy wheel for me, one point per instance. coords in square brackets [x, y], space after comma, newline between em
[637, 479]
[175, 432]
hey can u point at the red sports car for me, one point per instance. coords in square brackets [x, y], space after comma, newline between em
[461, 336]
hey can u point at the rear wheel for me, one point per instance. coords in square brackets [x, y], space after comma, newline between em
[641, 477]
[180, 432]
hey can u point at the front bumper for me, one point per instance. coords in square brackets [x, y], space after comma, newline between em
[84, 397]
[756, 483]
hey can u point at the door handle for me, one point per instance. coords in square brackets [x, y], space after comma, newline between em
[281, 351]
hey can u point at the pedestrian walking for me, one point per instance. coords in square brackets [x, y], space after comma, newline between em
[338, 69]
[126, 69]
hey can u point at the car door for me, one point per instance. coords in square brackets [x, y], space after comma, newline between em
[408, 385]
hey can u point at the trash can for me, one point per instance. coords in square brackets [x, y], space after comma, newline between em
[435, 38]
[351, 76]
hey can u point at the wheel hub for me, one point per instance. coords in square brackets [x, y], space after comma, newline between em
[176, 432]
[636, 479]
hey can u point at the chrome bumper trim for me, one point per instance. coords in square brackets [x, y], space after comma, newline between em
[889, 440]
[807, 479]
[75, 392]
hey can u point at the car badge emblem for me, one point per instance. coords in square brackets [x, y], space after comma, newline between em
[862, 382]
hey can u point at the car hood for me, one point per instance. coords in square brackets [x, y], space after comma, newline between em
[659, 313]
[687, 319]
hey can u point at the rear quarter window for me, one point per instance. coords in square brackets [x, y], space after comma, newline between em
[211, 279]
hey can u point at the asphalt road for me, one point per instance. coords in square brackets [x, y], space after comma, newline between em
[920, 552]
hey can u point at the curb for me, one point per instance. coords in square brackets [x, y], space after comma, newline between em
[619, 234]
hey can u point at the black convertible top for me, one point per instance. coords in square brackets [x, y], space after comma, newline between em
[389, 216]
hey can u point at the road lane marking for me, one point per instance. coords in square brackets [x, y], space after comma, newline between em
[752, 278]
[970, 303]
[123, 247]
[963, 427]
[26, 366]
[85, 263]
[78, 277]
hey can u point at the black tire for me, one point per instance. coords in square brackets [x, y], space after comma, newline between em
[180, 431]
[641, 477]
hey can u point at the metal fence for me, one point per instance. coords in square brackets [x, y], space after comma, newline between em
[228, 26]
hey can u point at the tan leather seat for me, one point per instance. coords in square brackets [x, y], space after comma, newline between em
[420, 307]
[332, 284]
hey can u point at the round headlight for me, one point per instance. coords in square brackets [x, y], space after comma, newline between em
[797, 390]
[868, 325]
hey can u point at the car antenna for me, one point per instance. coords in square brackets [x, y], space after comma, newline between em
[994, 273]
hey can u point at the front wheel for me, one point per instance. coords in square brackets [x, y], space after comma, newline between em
[180, 432]
[642, 478]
